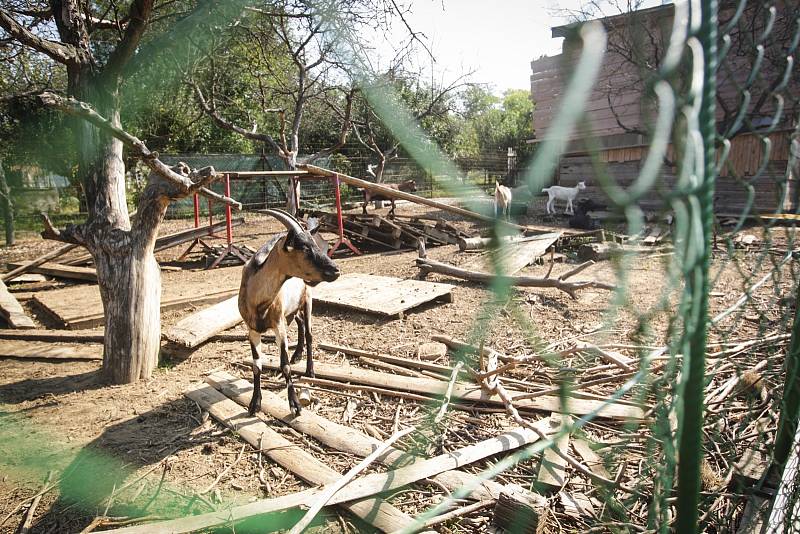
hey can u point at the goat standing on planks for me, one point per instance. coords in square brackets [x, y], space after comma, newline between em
[409, 186]
[502, 200]
[562, 193]
[274, 292]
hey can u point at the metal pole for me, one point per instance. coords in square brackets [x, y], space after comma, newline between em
[228, 226]
[696, 320]
[196, 211]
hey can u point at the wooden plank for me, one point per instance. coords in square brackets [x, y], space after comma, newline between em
[463, 392]
[377, 512]
[553, 468]
[381, 295]
[12, 311]
[512, 257]
[38, 261]
[347, 439]
[58, 270]
[357, 489]
[37, 350]
[203, 325]
[53, 335]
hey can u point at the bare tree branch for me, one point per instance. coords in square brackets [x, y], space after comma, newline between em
[63, 53]
[184, 183]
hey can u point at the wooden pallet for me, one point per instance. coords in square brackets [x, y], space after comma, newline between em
[11, 311]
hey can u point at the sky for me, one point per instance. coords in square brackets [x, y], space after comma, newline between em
[497, 39]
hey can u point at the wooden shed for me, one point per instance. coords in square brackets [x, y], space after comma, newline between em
[621, 109]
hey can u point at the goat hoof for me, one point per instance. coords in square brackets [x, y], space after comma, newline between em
[255, 407]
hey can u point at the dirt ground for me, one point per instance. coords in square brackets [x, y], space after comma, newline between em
[156, 454]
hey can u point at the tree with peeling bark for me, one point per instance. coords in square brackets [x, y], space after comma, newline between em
[100, 48]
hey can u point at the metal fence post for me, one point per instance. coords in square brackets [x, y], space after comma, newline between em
[690, 446]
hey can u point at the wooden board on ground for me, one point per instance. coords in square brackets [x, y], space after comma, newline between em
[58, 270]
[11, 311]
[513, 257]
[66, 336]
[553, 468]
[291, 457]
[203, 325]
[81, 307]
[38, 350]
[381, 295]
[346, 439]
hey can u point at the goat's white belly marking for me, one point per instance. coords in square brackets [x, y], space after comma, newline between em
[292, 294]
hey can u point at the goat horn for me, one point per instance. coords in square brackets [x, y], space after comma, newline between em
[288, 221]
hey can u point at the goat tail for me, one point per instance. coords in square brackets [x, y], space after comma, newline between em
[545, 189]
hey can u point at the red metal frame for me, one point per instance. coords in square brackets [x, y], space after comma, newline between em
[197, 241]
[342, 240]
[230, 248]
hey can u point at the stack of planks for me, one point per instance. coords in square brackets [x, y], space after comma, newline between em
[392, 233]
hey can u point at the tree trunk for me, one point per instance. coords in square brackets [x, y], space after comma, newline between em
[127, 272]
[8, 207]
[130, 286]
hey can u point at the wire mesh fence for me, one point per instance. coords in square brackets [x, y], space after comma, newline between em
[702, 339]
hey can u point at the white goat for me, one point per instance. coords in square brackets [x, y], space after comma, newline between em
[562, 193]
[274, 292]
[502, 200]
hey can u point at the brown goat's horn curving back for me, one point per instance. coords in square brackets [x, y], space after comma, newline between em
[286, 219]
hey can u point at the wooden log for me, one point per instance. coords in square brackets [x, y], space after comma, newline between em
[346, 439]
[53, 335]
[515, 513]
[33, 350]
[392, 193]
[203, 325]
[38, 261]
[58, 270]
[358, 489]
[427, 266]
[11, 311]
[464, 393]
[378, 513]
[553, 467]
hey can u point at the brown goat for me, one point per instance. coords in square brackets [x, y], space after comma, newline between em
[275, 291]
[409, 186]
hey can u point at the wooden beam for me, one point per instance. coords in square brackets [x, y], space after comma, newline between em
[33, 350]
[346, 439]
[464, 393]
[204, 324]
[393, 193]
[377, 512]
[12, 311]
[38, 261]
[58, 270]
[357, 489]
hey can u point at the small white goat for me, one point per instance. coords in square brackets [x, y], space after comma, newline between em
[502, 200]
[562, 193]
[274, 292]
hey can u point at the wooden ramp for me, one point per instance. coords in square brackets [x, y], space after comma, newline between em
[513, 257]
[381, 295]
[58, 270]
